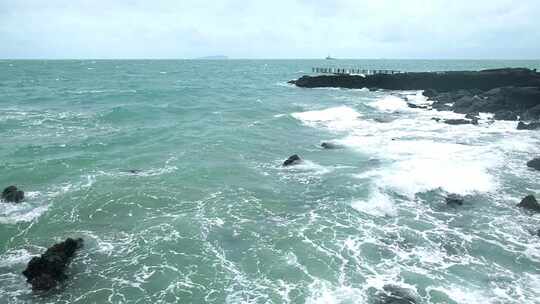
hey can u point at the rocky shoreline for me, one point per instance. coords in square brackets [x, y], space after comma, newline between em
[510, 93]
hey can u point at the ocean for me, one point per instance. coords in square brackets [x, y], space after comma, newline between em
[170, 170]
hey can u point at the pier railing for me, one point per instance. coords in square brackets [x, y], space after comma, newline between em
[353, 71]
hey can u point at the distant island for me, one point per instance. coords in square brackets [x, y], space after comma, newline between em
[215, 57]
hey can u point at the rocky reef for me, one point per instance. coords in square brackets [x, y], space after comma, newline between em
[46, 271]
[509, 93]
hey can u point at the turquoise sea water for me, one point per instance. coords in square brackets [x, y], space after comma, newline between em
[211, 217]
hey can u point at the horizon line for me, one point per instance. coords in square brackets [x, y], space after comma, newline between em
[262, 58]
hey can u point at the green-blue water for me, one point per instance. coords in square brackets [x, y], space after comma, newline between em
[211, 217]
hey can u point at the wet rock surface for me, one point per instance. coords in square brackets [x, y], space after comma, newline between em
[12, 194]
[292, 160]
[529, 203]
[534, 163]
[48, 270]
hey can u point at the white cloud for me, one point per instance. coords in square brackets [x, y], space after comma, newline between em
[270, 29]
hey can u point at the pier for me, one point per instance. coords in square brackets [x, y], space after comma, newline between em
[352, 71]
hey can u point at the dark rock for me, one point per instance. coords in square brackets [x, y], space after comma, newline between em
[12, 194]
[532, 113]
[46, 271]
[530, 203]
[458, 121]
[293, 160]
[396, 295]
[535, 164]
[415, 106]
[437, 119]
[528, 126]
[472, 115]
[439, 81]
[429, 93]
[383, 119]
[505, 115]
[454, 199]
[330, 146]
[508, 93]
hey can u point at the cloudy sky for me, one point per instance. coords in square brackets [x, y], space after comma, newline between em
[270, 29]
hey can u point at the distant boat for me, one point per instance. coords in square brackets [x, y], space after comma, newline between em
[330, 58]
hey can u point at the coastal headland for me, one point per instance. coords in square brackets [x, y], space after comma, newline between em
[509, 93]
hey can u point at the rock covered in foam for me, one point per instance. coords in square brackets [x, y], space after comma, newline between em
[458, 121]
[396, 295]
[46, 271]
[505, 115]
[292, 160]
[529, 203]
[454, 199]
[330, 145]
[528, 126]
[534, 163]
[12, 194]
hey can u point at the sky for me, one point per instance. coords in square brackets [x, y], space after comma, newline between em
[416, 29]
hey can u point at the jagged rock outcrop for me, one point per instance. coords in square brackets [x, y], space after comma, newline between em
[12, 194]
[529, 203]
[46, 271]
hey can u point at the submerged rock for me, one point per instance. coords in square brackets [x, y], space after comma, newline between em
[454, 199]
[396, 295]
[528, 126]
[330, 146]
[535, 164]
[459, 121]
[505, 115]
[293, 160]
[418, 106]
[12, 194]
[530, 203]
[383, 119]
[46, 271]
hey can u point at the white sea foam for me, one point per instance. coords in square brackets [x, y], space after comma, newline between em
[339, 118]
[391, 103]
[378, 204]
[32, 207]
[15, 257]
[308, 167]
[322, 292]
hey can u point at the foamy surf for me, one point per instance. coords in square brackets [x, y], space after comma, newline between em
[338, 118]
